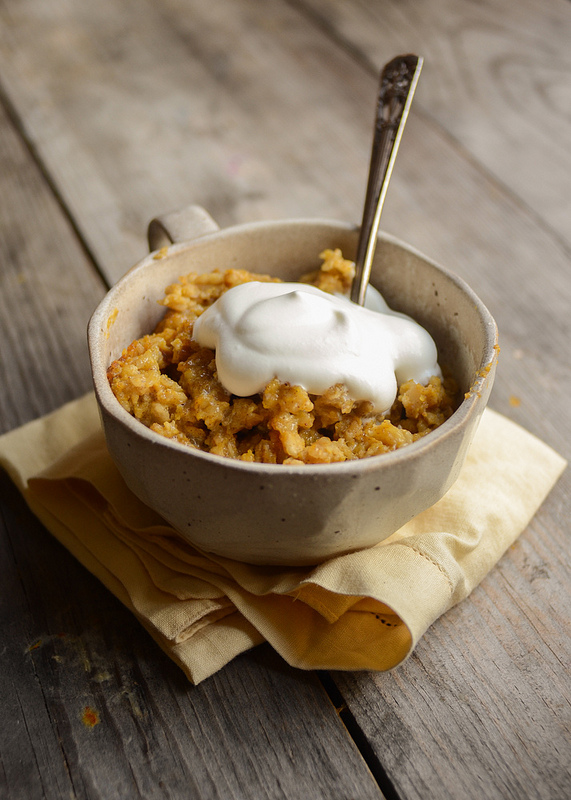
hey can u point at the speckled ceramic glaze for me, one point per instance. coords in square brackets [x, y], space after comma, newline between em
[276, 514]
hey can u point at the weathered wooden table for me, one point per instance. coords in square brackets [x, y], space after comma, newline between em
[117, 110]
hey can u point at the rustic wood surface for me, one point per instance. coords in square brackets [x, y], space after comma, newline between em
[115, 111]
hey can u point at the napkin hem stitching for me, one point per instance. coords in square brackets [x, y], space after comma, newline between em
[438, 566]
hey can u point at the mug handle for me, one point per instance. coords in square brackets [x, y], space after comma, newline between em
[179, 226]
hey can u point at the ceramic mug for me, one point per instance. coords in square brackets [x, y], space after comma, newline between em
[275, 513]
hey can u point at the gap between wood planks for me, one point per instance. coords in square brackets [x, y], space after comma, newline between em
[355, 732]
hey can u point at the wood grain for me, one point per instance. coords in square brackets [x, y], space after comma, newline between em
[48, 289]
[155, 106]
[496, 79]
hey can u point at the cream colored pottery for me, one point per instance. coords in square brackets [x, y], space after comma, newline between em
[276, 514]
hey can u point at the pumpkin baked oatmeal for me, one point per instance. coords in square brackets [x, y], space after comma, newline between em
[170, 383]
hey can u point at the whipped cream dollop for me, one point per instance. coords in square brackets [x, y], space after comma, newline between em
[307, 337]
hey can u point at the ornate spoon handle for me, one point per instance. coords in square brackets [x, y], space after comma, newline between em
[396, 90]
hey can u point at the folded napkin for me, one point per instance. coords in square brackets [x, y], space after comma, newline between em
[366, 610]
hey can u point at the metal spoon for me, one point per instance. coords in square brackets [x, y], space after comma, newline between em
[396, 90]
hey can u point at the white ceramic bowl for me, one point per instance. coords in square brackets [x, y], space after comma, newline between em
[278, 514]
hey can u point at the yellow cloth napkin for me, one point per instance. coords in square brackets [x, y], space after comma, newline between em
[366, 610]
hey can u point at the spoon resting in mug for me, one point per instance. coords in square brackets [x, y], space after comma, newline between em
[396, 89]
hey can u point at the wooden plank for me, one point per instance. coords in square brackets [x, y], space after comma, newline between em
[496, 79]
[48, 289]
[90, 706]
[149, 106]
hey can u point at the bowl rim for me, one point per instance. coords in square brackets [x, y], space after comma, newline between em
[465, 411]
